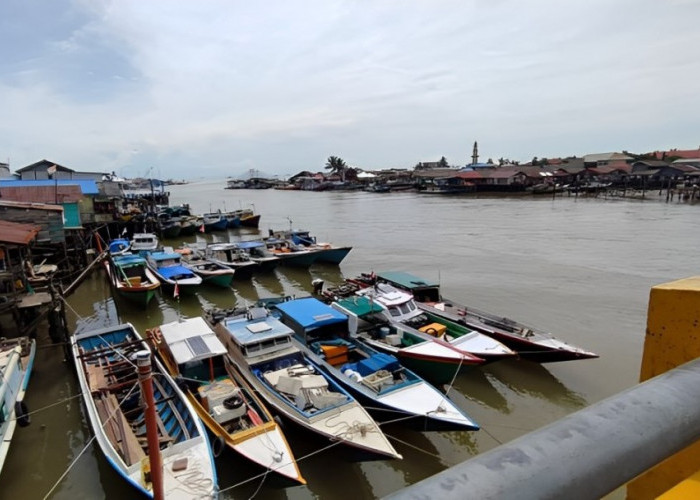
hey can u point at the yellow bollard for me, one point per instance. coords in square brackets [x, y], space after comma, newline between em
[672, 338]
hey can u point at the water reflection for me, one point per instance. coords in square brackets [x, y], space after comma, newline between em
[532, 379]
[476, 386]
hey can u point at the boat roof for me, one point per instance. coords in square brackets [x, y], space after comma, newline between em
[386, 294]
[116, 244]
[360, 306]
[406, 280]
[165, 255]
[128, 260]
[311, 313]
[143, 236]
[249, 244]
[191, 340]
[251, 331]
[171, 271]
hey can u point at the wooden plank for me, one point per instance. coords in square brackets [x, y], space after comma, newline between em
[95, 377]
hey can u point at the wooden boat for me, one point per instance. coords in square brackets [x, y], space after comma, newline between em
[228, 254]
[168, 268]
[131, 278]
[398, 306]
[119, 246]
[223, 400]
[376, 379]
[16, 362]
[289, 253]
[530, 343]
[262, 347]
[258, 253]
[105, 363]
[432, 358]
[325, 252]
[248, 218]
[144, 242]
[210, 271]
[214, 222]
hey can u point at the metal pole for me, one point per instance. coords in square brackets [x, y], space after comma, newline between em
[585, 455]
[143, 359]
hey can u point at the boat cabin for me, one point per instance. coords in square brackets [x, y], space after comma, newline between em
[147, 242]
[257, 333]
[399, 305]
[422, 290]
[313, 320]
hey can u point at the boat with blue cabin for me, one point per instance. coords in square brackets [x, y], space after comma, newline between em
[291, 383]
[16, 363]
[325, 252]
[168, 268]
[377, 379]
[106, 363]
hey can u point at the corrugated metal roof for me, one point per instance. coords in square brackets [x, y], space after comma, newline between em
[86, 186]
[18, 234]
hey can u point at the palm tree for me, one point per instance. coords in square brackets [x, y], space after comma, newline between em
[337, 166]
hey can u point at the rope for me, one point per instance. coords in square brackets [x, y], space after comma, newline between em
[65, 473]
[69, 307]
[394, 438]
[449, 387]
[53, 404]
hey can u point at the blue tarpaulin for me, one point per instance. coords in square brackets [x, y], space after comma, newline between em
[311, 313]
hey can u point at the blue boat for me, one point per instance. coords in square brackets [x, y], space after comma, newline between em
[105, 363]
[376, 379]
[119, 246]
[170, 271]
[290, 382]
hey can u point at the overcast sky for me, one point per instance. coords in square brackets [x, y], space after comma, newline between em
[213, 88]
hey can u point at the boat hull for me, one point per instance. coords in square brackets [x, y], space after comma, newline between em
[332, 255]
[250, 221]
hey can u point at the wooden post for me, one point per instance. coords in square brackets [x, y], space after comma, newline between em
[156, 462]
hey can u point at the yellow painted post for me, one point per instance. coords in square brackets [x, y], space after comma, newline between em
[672, 338]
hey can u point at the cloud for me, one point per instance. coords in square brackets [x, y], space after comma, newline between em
[280, 86]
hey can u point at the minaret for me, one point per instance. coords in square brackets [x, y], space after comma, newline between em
[475, 154]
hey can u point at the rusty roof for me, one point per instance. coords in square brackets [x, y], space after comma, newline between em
[18, 234]
[36, 206]
[41, 194]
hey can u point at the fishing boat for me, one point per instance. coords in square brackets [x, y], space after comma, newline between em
[530, 343]
[289, 253]
[228, 254]
[215, 221]
[211, 272]
[398, 306]
[248, 218]
[258, 253]
[144, 242]
[325, 252]
[105, 360]
[432, 358]
[292, 384]
[376, 379]
[16, 362]
[131, 278]
[119, 246]
[227, 405]
[167, 266]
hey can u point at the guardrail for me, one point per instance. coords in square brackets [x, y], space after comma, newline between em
[585, 455]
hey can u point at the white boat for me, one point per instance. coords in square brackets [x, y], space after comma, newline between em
[107, 373]
[375, 379]
[16, 361]
[226, 404]
[290, 383]
[170, 271]
[144, 242]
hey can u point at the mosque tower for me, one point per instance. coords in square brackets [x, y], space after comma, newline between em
[475, 154]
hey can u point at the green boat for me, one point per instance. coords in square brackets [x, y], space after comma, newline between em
[131, 278]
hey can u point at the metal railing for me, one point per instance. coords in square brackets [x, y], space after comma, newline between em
[585, 455]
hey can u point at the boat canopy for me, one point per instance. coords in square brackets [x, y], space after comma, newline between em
[165, 256]
[245, 245]
[129, 260]
[246, 331]
[119, 245]
[310, 313]
[175, 272]
[406, 280]
[191, 340]
[360, 306]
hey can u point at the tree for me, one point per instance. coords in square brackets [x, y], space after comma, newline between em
[337, 166]
[443, 163]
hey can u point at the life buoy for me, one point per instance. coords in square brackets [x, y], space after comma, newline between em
[217, 447]
[22, 414]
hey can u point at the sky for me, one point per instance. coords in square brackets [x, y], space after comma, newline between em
[212, 89]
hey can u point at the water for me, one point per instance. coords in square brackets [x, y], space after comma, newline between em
[581, 268]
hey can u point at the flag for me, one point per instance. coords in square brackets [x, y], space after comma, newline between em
[201, 228]
[51, 170]
[176, 291]
[124, 232]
